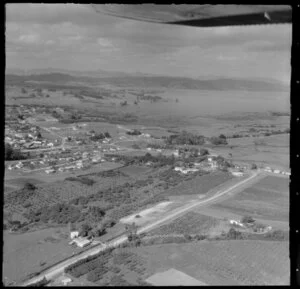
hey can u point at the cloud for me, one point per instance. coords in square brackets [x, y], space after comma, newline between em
[267, 46]
[76, 37]
[227, 58]
[104, 42]
[29, 38]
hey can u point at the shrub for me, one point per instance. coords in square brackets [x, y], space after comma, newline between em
[234, 235]
[277, 235]
[247, 220]
[218, 141]
[29, 187]
[204, 152]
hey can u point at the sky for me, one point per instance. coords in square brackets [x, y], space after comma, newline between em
[75, 37]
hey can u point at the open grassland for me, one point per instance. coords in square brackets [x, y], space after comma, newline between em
[29, 252]
[190, 223]
[267, 199]
[237, 262]
[199, 184]
[20, 182]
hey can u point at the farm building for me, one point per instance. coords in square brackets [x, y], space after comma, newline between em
[234, 222]
[185, 171]
[237, 174]
[62, 280]
[81, 242]
[277, 171]
[74, 234]
[49, 171]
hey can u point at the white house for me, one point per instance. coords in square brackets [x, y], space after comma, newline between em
[277, 171]
[49, 171]
[233, 222]
[74, 234]
[237, 174]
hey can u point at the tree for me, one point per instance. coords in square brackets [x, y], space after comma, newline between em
[247, 220]
[39, 135]
[234, 234]
[107, 135]
[30, 187]
[24, 90]
[85, 228]
[204, 152]
[218, 140]
[253, 166]
[131, 231]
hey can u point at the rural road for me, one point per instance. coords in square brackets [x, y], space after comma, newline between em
[59, 268]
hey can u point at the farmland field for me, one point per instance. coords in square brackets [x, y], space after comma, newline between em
[267, 199]
[190, 223]
[200, 184]
[23, 253]
[236, 262]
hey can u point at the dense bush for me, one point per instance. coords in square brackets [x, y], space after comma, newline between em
[82, 180]
[218, 140]
[204, 152]
[97, 137]
[29, 186]
[185, 138]
[12, 154]
[234, 234]
[277, 235]
[58, 213]
[247, 220]
[83, 266]
[134, 132]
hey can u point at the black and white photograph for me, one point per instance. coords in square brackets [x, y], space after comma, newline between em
[146, 145]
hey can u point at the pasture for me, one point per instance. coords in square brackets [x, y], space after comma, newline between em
[267, 199]
[29, 252]
[189, 223]
[199, 185]
[235, 262]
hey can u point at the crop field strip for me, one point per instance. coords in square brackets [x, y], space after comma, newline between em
[244, 262]
[111, 269]
[199, 185]
[190, 223]
[268, 198]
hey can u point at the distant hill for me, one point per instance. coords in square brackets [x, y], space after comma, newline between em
[154, 81]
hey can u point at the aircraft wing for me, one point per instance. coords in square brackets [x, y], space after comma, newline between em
[200, 15]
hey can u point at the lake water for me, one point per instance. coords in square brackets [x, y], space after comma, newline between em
[198, 102]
